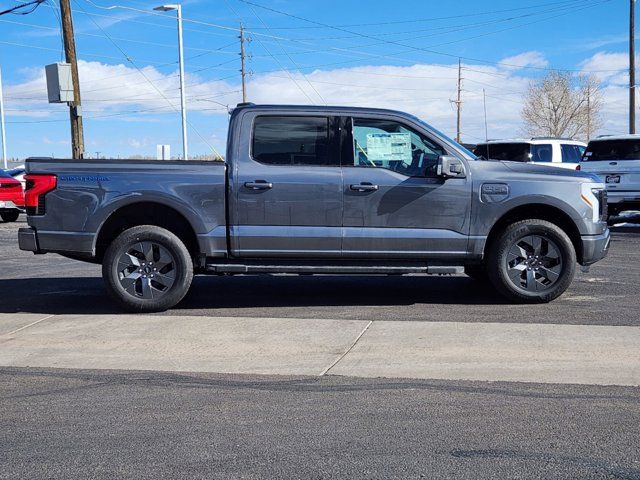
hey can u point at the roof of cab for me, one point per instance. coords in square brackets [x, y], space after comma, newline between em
[628, 136]
[327, 108]
[533, 140]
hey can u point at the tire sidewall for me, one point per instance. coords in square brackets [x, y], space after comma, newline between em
[498, 260]
[183, 262]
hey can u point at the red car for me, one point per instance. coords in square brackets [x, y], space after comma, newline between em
[11, 197]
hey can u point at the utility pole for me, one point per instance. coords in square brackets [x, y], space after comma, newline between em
[243, 71]
[632, 66]
[4, 136]
[458, 101]
[75, 108]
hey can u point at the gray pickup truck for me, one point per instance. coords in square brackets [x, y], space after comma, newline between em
[318, 190]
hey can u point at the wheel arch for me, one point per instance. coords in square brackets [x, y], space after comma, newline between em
[145, 213]
[538, 211]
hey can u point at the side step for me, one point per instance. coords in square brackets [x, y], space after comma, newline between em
[332, 269]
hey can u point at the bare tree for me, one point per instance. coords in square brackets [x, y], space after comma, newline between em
[563, 105]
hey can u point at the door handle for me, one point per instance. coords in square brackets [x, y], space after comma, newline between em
[363, 187]
[258, 185]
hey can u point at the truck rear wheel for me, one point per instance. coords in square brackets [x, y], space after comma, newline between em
[532, 261]
[147, 269]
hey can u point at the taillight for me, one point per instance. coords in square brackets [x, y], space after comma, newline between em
[37, 186]
[578, 167]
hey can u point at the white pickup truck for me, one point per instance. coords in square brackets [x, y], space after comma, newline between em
[548, 151]
[616, 160]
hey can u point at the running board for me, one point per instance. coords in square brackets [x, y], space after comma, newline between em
[333, 269]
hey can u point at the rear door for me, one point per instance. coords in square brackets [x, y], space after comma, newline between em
[287, 186]
[395, 206]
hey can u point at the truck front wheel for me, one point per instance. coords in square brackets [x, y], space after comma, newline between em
[147, 269]
[531, 261]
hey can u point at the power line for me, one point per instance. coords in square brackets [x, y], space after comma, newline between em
[151, 83]
[392, 42]
[15, 9]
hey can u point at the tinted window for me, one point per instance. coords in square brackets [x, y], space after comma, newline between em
[513, 152]
[542, 153]
[392, 145]
[292, 141]
[571, 153]
[4, 174]
[612, 150]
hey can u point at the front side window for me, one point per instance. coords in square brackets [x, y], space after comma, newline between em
[571, 153]
[542, 153]
[281, 140]
[388, 144]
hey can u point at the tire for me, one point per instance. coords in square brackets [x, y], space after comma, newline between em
[531, 261]
[477, 272]
[147, 269]
[10, 216]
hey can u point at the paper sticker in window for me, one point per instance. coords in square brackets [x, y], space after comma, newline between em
[383, 148]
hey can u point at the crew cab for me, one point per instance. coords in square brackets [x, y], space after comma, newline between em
[616, 160]
[317, 190]
[549, 151]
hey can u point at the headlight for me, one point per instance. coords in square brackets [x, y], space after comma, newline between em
[593, 194]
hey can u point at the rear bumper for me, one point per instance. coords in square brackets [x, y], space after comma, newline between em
[63, 242]
[9, 205]
[595, 247]
[616, 197]
[27, 239]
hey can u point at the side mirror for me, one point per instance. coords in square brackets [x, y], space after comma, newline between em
[451, 167]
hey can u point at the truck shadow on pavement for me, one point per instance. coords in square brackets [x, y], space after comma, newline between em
[86, 295]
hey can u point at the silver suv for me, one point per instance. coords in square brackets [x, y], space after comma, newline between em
[616, 160]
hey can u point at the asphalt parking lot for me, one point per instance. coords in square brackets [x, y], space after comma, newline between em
[319, 376]
[607, 295]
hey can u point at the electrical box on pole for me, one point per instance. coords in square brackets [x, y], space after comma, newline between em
[59, 82]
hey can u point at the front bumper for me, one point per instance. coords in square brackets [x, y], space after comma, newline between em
[595, 247]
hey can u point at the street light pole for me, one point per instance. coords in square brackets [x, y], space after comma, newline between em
[4, 137]
[183, 95]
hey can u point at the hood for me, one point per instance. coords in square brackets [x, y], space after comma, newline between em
[528, 168]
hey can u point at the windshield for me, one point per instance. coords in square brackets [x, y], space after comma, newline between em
[603, 150]
[445, 137]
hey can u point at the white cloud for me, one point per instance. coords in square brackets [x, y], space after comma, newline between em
[526, 59]
[119, 93]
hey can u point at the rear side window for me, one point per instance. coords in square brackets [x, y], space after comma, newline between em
[571, 153]
[604, 150]
[542, 153]
[292, 141]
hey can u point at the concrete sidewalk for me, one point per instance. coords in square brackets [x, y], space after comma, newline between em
[601, 355]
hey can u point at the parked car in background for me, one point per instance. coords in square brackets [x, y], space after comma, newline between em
[553, 152]
[18, 173]
[11, 197]
[616, 160]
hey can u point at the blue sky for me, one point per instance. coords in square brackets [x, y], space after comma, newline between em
[392, 54]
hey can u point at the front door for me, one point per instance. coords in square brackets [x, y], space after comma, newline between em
[288, 188]
[395, 205]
